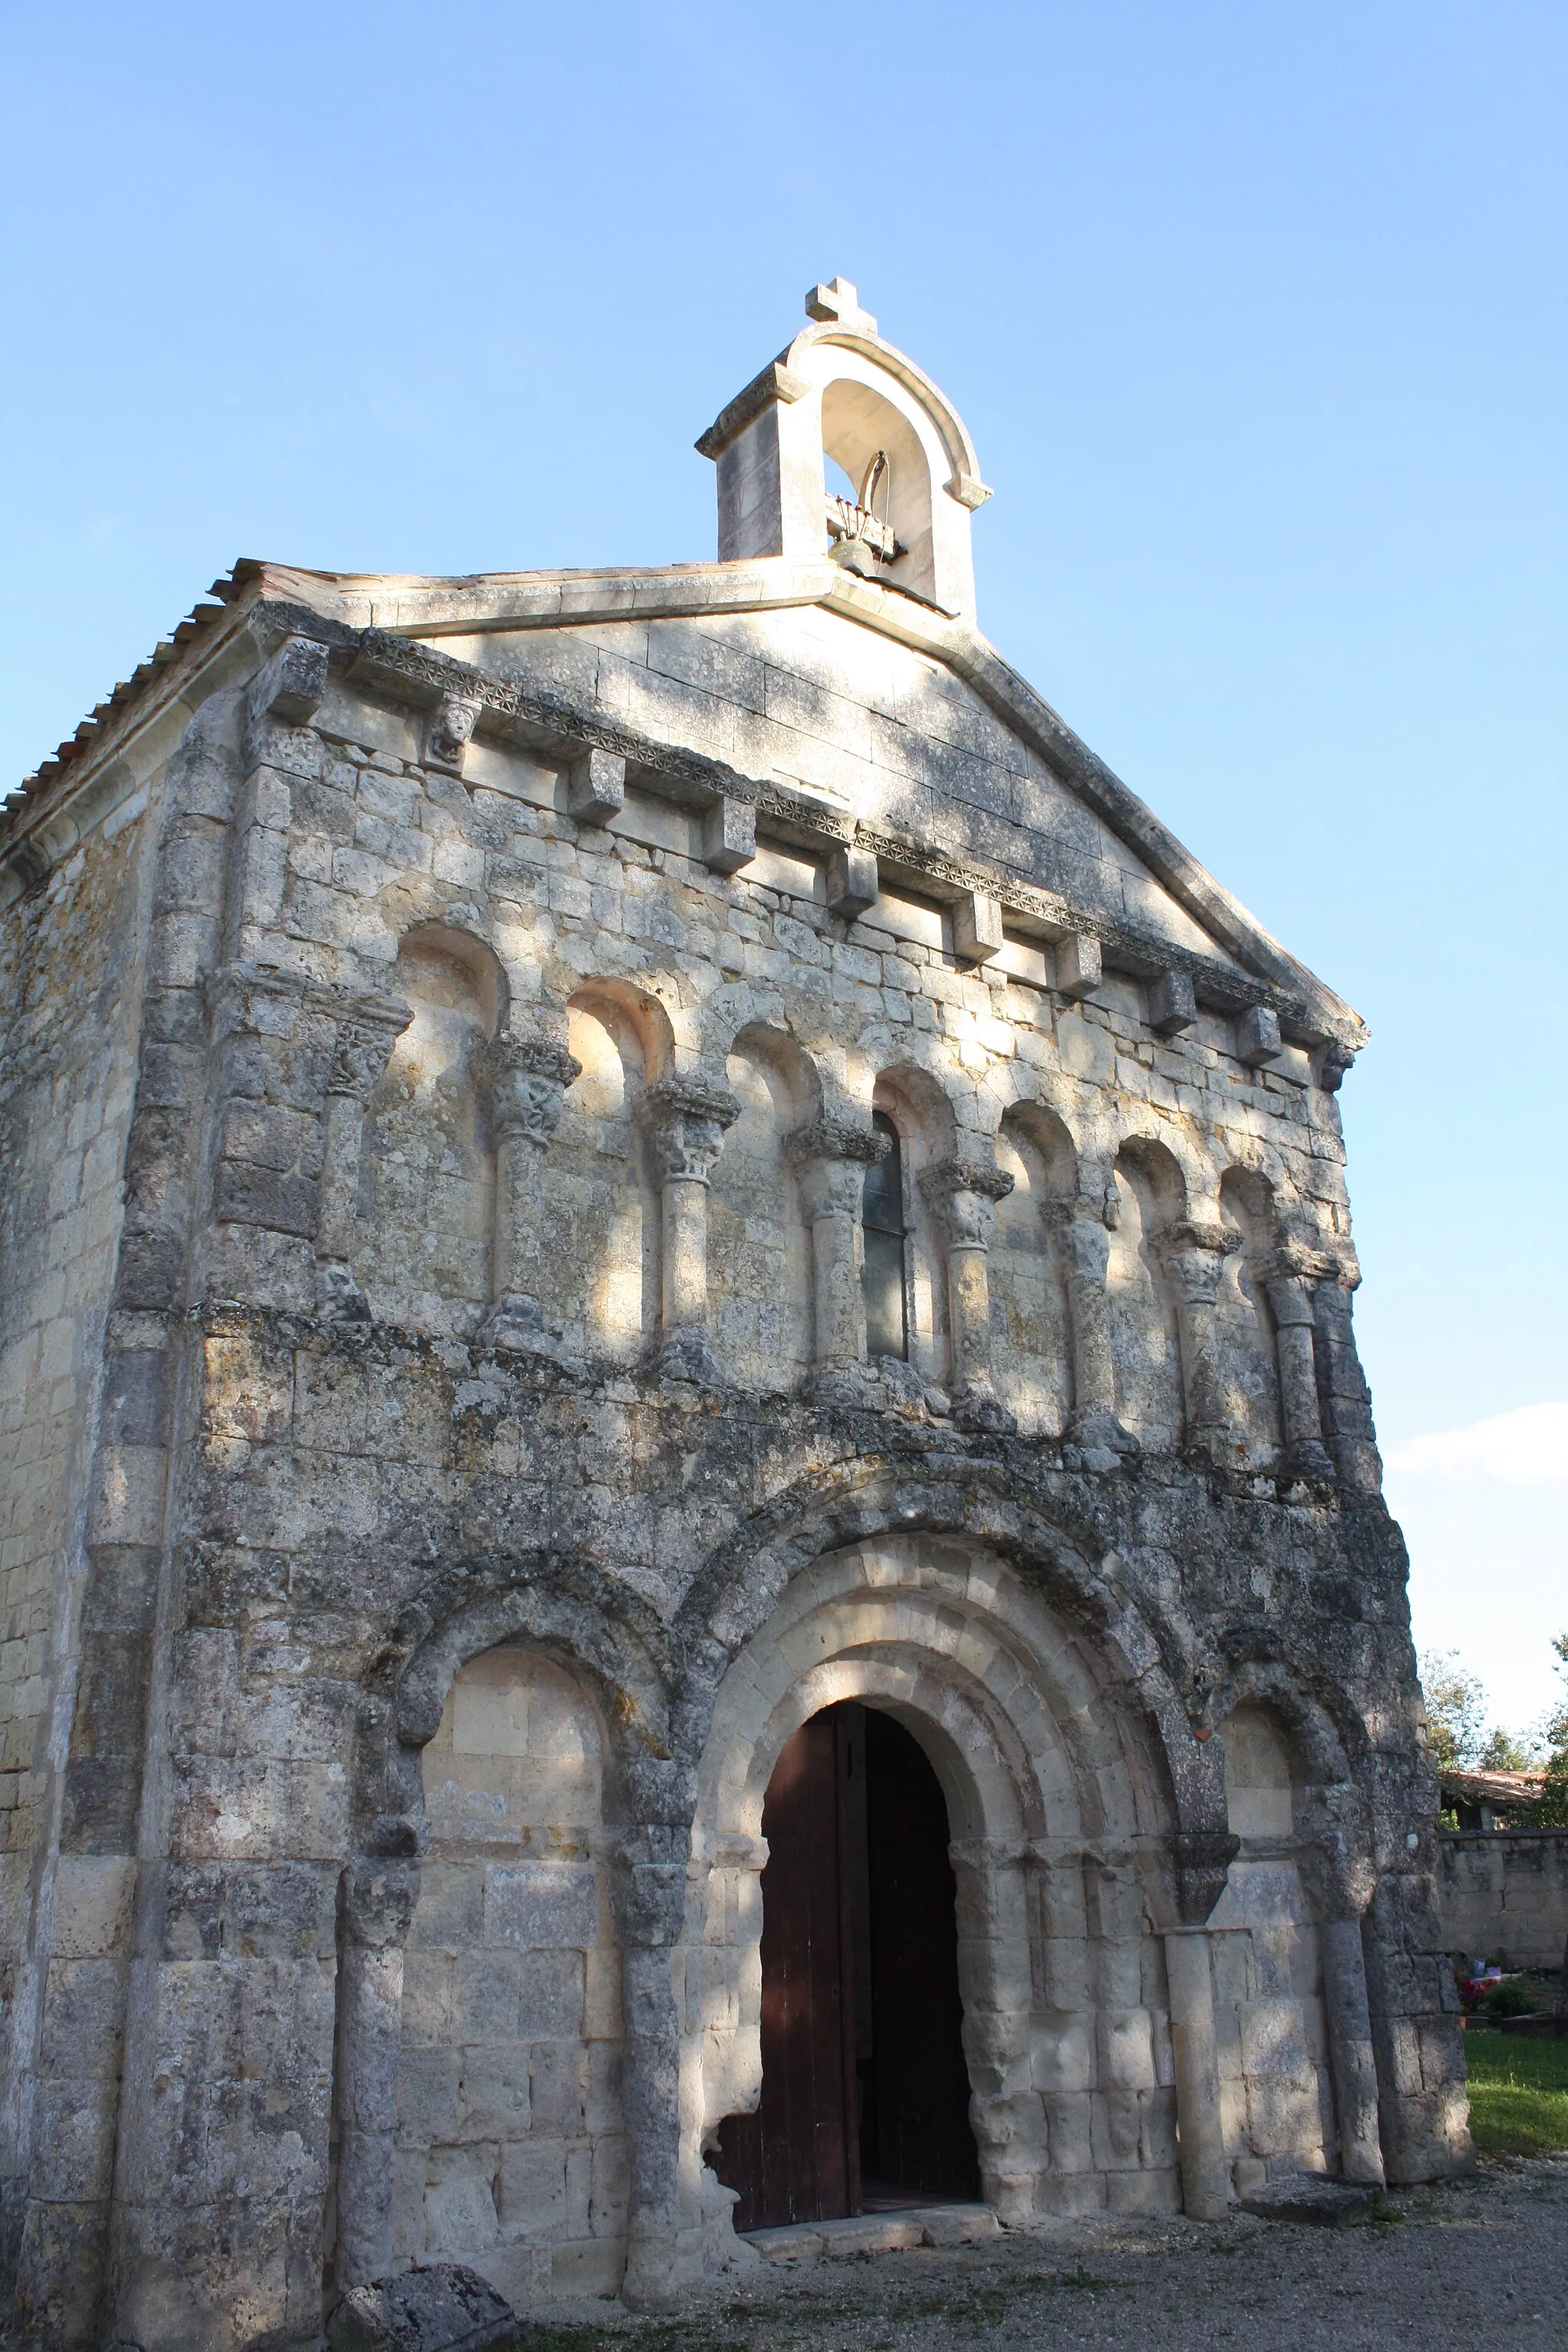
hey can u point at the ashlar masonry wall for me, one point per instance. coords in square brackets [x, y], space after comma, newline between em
[495, 1472]
[72, 950]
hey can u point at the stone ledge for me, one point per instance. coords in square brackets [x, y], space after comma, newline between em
[1304, 2197]
[877, 2233]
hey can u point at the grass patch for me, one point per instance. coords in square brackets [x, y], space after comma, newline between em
[1518, 2093]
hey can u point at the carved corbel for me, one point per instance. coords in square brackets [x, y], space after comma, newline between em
[447, 731]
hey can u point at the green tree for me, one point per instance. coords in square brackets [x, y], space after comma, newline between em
[1455, 1711]
[1504, 1751]
[1552, 1814]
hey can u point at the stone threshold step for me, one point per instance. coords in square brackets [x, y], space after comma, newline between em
[877, 2233]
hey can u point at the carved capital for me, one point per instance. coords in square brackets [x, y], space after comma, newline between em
[686, 1120]
[523, 1081]
[1201, 1859]
[1086, 1241]
[964, 1195]
[367, 1035]
[1195, 1254]
[835, 1138]
[1301, 1258]
[1291, 1298]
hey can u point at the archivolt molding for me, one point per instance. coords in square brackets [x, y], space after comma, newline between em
[568, 1610]
[1141, 1661]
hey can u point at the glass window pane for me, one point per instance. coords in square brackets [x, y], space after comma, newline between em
[885, 1333]
[884, 1195]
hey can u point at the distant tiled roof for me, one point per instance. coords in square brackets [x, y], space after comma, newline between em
[1491, 1787]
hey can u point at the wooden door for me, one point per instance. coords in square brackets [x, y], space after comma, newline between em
[796, 2159]
[916, 2131]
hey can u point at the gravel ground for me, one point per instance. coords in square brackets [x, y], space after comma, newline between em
[1474, 2264]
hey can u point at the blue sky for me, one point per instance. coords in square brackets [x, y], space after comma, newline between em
[1254, 314]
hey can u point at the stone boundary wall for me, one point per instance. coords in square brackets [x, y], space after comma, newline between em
[1503, 1894]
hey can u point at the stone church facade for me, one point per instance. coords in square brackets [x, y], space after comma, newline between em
[596, 1164]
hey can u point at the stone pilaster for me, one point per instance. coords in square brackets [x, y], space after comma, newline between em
[649, 1895]
[962, 1195]
[522, 1082]
[686, 1120]
[1194, 1255]
[375, 1910]
[830, 1158]
[370, 1028]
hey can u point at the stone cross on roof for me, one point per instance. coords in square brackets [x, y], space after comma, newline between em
[839, 301]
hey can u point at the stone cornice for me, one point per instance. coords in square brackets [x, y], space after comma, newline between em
[386, 659]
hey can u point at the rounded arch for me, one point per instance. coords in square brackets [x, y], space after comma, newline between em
[1059, 1810]
[826, 338]
[795, 1069]
[921, 1107]
[1158, 1173]
[742, 1584]
[634, 1018]
[598, 1629]
[474, 970]
[1044, 1131]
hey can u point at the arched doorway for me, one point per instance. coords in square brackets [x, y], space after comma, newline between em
[865, 2091]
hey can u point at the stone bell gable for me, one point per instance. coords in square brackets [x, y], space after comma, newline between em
[599, 1166]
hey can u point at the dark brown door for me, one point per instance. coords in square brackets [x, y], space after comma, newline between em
[915, 2131]
[858, 1896]
[795, 2158]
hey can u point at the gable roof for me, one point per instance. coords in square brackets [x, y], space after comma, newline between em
[410, 607]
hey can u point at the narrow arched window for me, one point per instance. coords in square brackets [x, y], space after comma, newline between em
[882, 1214]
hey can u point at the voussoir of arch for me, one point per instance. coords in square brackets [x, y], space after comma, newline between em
[567, 1609]
[744, 1580]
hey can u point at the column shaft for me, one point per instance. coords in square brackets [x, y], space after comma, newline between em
[686, 1120]
[830, 1158]
[1301, 1420]
[1086, 1246]
[1205, 2176]
[523, 1081]
[1195, 1255]
[364, 1045]
[962, 1195]
[1351, 2056]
